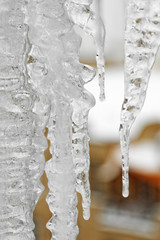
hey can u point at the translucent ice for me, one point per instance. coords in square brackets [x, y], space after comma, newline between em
[42, 85]
[90, 21]
[22, 140]
[141, 45]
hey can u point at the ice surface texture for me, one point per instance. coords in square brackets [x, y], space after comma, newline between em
[141, 45]
[22, 141]
[82, 15]
[42, 85]
[68, 169]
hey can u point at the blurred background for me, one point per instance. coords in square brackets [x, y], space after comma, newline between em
[112, 216]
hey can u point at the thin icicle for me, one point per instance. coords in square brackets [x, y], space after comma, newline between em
[91, 22]
[141, 45]
[80, 147]
[99, 38]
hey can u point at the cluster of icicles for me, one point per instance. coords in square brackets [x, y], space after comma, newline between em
[42, 85]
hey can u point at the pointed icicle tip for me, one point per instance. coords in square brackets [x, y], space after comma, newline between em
[125, 191]
[86, 214]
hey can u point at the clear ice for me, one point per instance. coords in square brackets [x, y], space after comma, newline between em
[68, 169]
[42, 85]
[90, 21]
[22, 124]
[142, 35]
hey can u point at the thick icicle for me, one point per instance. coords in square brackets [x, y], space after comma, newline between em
[53, 44]
[90, 21]
[22, 142]
[62, 197]
[55, 70]
[141, 44]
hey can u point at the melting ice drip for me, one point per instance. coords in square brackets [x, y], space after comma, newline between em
[22, 124]
[141, 45]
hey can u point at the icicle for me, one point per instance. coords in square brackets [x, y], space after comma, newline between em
[81, 104]
[62, 197]
[90, 21]
[54, 69]
[53, 43]
[22, 143]
[141, 44]
[80, 140]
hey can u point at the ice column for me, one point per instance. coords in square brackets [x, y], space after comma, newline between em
[142, 36]
[22, 140]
